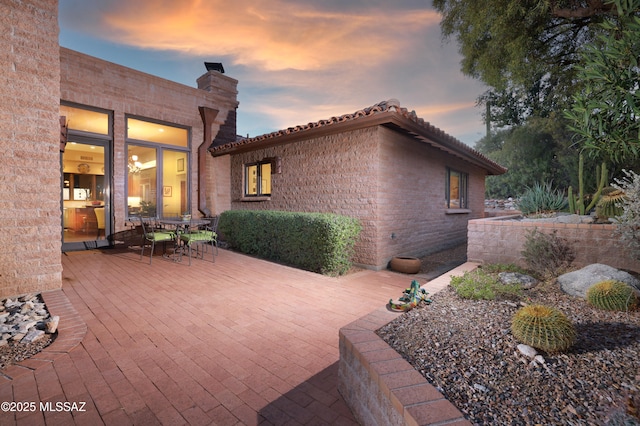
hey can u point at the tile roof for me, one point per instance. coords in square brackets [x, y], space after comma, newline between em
[390, 113]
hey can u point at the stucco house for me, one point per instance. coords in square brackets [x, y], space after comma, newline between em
[412, 186]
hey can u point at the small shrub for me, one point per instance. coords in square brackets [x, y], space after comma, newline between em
[611, 295]
[318, 242]
[541, 198]
[543, 328]
[547, 254]
[481, 285]
[628, 223]
[503, 267]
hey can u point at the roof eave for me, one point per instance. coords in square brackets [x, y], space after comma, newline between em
[437, 138]
[394, 120]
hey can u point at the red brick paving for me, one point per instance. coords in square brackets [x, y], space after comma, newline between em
[239, 341]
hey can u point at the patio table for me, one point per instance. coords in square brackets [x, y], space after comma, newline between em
[180, 226]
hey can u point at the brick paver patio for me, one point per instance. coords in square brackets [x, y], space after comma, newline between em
[241, 341]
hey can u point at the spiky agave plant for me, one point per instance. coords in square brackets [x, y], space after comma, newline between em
[544, 328]
[612, 295]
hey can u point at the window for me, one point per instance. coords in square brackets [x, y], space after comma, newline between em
[456, 190]
[86, 120]
[257, 179]
[158, 168]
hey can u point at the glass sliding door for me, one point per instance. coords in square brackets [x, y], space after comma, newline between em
[85, 194]
[85, 178]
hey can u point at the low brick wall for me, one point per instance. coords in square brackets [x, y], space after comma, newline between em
[379, 386]
[501, 240]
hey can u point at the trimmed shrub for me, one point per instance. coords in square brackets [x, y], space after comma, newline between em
[317, 242]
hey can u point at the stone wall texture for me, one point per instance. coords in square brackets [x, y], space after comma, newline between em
[392, 183]
[92, 82]
[501, 240]
[30, 233]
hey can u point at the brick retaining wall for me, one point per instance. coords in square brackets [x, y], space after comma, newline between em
[501, 240]
[379, 386]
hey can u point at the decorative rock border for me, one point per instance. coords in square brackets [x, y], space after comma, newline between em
[71, 331]
[381, 387]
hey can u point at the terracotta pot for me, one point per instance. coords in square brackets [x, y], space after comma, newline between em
[406, 265]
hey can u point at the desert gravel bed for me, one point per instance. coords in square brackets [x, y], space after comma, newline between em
[465, 349]
[13, 353]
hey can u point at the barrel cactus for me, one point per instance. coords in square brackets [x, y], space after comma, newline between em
[543, 328]
[612, 295]
[608, 204]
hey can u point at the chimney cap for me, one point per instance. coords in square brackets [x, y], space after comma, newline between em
[214, 66]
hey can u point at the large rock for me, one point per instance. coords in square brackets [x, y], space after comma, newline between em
[525, 281]
[577, 283]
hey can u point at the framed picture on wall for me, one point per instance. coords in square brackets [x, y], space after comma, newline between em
[166, 191]
[180, 166]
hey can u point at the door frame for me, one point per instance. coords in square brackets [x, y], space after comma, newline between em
[91, 243]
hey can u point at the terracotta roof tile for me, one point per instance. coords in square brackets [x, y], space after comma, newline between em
[427, 133]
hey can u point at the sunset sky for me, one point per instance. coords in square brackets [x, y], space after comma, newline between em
[296, 61]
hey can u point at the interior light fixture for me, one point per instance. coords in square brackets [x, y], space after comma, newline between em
[134, 165]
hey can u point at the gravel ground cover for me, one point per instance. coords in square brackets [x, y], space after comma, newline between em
[13, 352]
[465, 349]
[18, 318]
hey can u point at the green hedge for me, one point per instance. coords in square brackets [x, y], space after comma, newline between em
[317, 242]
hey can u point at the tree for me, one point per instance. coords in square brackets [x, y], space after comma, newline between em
[534, 153]
[606, 112]
[525, 50]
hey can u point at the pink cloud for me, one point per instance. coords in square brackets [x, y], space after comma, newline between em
[272, 35]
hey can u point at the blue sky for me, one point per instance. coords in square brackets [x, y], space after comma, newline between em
[296, 61]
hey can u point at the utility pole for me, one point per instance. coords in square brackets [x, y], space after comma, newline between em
[488, 119]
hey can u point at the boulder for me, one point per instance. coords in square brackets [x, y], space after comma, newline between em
[577, 283]
[526, 281]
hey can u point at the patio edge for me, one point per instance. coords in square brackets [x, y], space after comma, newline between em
[71, 330]
[378, 385]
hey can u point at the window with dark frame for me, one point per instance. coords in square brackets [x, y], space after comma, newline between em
[456, 189]
[257, 179]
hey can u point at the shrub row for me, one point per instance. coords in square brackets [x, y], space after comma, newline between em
[317, 242]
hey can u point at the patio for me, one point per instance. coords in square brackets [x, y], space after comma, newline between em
[241, 341]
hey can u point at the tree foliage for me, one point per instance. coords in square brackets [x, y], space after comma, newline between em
[525, 50]
[606, 112]
[542, 150]
[538, 151]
